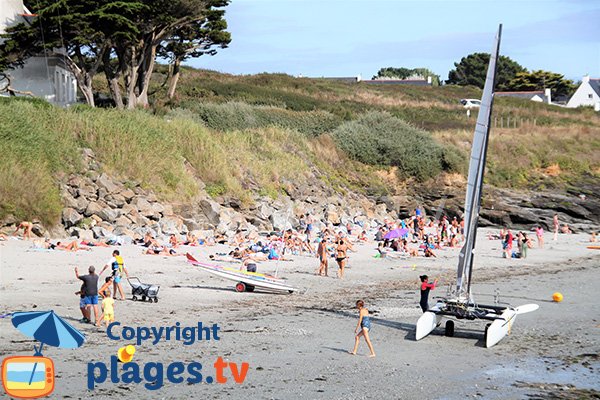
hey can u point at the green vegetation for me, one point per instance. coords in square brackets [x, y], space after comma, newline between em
[244, 136]
[377, 138]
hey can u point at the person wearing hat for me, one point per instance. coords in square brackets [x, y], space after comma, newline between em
[425, 288]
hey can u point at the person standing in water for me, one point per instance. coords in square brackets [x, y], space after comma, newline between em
[363, 328]
[425, 288]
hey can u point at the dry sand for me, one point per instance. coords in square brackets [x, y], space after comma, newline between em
[297, 344]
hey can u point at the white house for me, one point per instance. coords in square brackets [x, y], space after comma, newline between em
[539, 96]
[45, 75]
[587, 94]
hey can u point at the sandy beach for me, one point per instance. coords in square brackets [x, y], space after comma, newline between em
[296, 345]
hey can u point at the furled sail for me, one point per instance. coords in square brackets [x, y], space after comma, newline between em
[475, 179]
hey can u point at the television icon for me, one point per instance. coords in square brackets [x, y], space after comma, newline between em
[28, 377]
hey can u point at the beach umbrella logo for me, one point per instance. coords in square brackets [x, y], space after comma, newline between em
[29, 377]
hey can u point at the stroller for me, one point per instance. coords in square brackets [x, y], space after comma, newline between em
[144, 290]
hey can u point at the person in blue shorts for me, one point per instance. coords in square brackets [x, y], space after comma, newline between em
[117, 266]
[90, 289]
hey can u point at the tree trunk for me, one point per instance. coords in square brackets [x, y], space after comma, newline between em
[112, 77]
[146, 69]
[174, 78]
[131, 79]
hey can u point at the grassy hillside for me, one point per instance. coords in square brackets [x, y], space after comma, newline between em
[246, 135]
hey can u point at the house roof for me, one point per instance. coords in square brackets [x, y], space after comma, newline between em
[595, 84]
[523, 94]
[419, 82]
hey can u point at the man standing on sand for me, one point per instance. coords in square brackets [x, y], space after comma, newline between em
[555, 220]
[90, 289]
[322, 255]
[118, 267]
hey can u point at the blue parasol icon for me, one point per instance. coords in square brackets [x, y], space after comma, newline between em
[48, 328]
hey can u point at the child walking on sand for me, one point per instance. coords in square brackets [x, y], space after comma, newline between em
[363, 328]
[108, 310]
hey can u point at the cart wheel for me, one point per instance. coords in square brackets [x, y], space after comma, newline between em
[487, 326]
[134, 298]
[143, 298]
[290, 291]
[156, 299]
[449, 328]
[249, 288]
[240, 287]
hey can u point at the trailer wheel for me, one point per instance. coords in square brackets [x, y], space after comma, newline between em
[134, 298]
[143, 298]
[249, 288]
[449, 331]
[290, 291]
[240, 287]
[156, 299]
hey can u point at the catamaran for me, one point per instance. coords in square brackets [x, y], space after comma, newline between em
[460, 304]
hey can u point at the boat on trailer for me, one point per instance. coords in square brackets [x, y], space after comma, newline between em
[460, 304]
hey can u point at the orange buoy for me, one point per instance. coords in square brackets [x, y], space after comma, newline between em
[126, 353]
[557, 297]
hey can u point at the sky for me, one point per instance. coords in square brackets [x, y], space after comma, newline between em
[350, 37]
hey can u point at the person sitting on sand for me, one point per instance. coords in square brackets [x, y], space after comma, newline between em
[565, 229]
[2, 237]
[27, 228]
[426, 286]
[248, 264]
[173, 242]
[191, 240]
[363, 328]
[428, 252]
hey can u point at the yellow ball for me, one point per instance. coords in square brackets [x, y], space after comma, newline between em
[557, 297]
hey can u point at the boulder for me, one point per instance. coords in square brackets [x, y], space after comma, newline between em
[122, 221]
[144, 207]
[264, 211]
[211, 210]
[128, 194]
[192, 225]
[105, 182]
[279, 220]
[93, 208]
[158, 208]
[108, 214]
[100, 232]
[172, 226]
[71, 217]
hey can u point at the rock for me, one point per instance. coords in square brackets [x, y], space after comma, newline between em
[100, 232]
[279, 220]
[158, 208]
[144, 207]
[93, 208]
[332, 215]
[172, 226]
[82, 234]
[128, 194]
[211, 210]
[70, 217]
[117, 200]
[124, 233]
[39, 231]
[264, 211]
[192, 225]
[122, 221]
[167, 210]
[108, 214]
[105, 182]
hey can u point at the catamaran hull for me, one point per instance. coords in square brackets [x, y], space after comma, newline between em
[500, 327]
[426, 324]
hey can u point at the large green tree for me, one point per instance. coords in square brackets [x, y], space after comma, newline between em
[471, 70]
[81, 29]
[540, 80]
[403, 73]
[202, 37]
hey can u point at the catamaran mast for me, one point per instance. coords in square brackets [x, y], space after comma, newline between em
[475, 178]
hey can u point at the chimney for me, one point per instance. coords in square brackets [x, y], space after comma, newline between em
[548, 93]
[586, 78]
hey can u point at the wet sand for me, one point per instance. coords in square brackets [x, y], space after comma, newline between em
[296, 345]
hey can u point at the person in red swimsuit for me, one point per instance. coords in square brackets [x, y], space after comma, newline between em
[425, 288]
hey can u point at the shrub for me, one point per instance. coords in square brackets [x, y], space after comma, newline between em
[240, 116]
[377, 138]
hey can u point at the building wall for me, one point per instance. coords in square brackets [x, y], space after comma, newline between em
[581, 97]
[42, 76]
